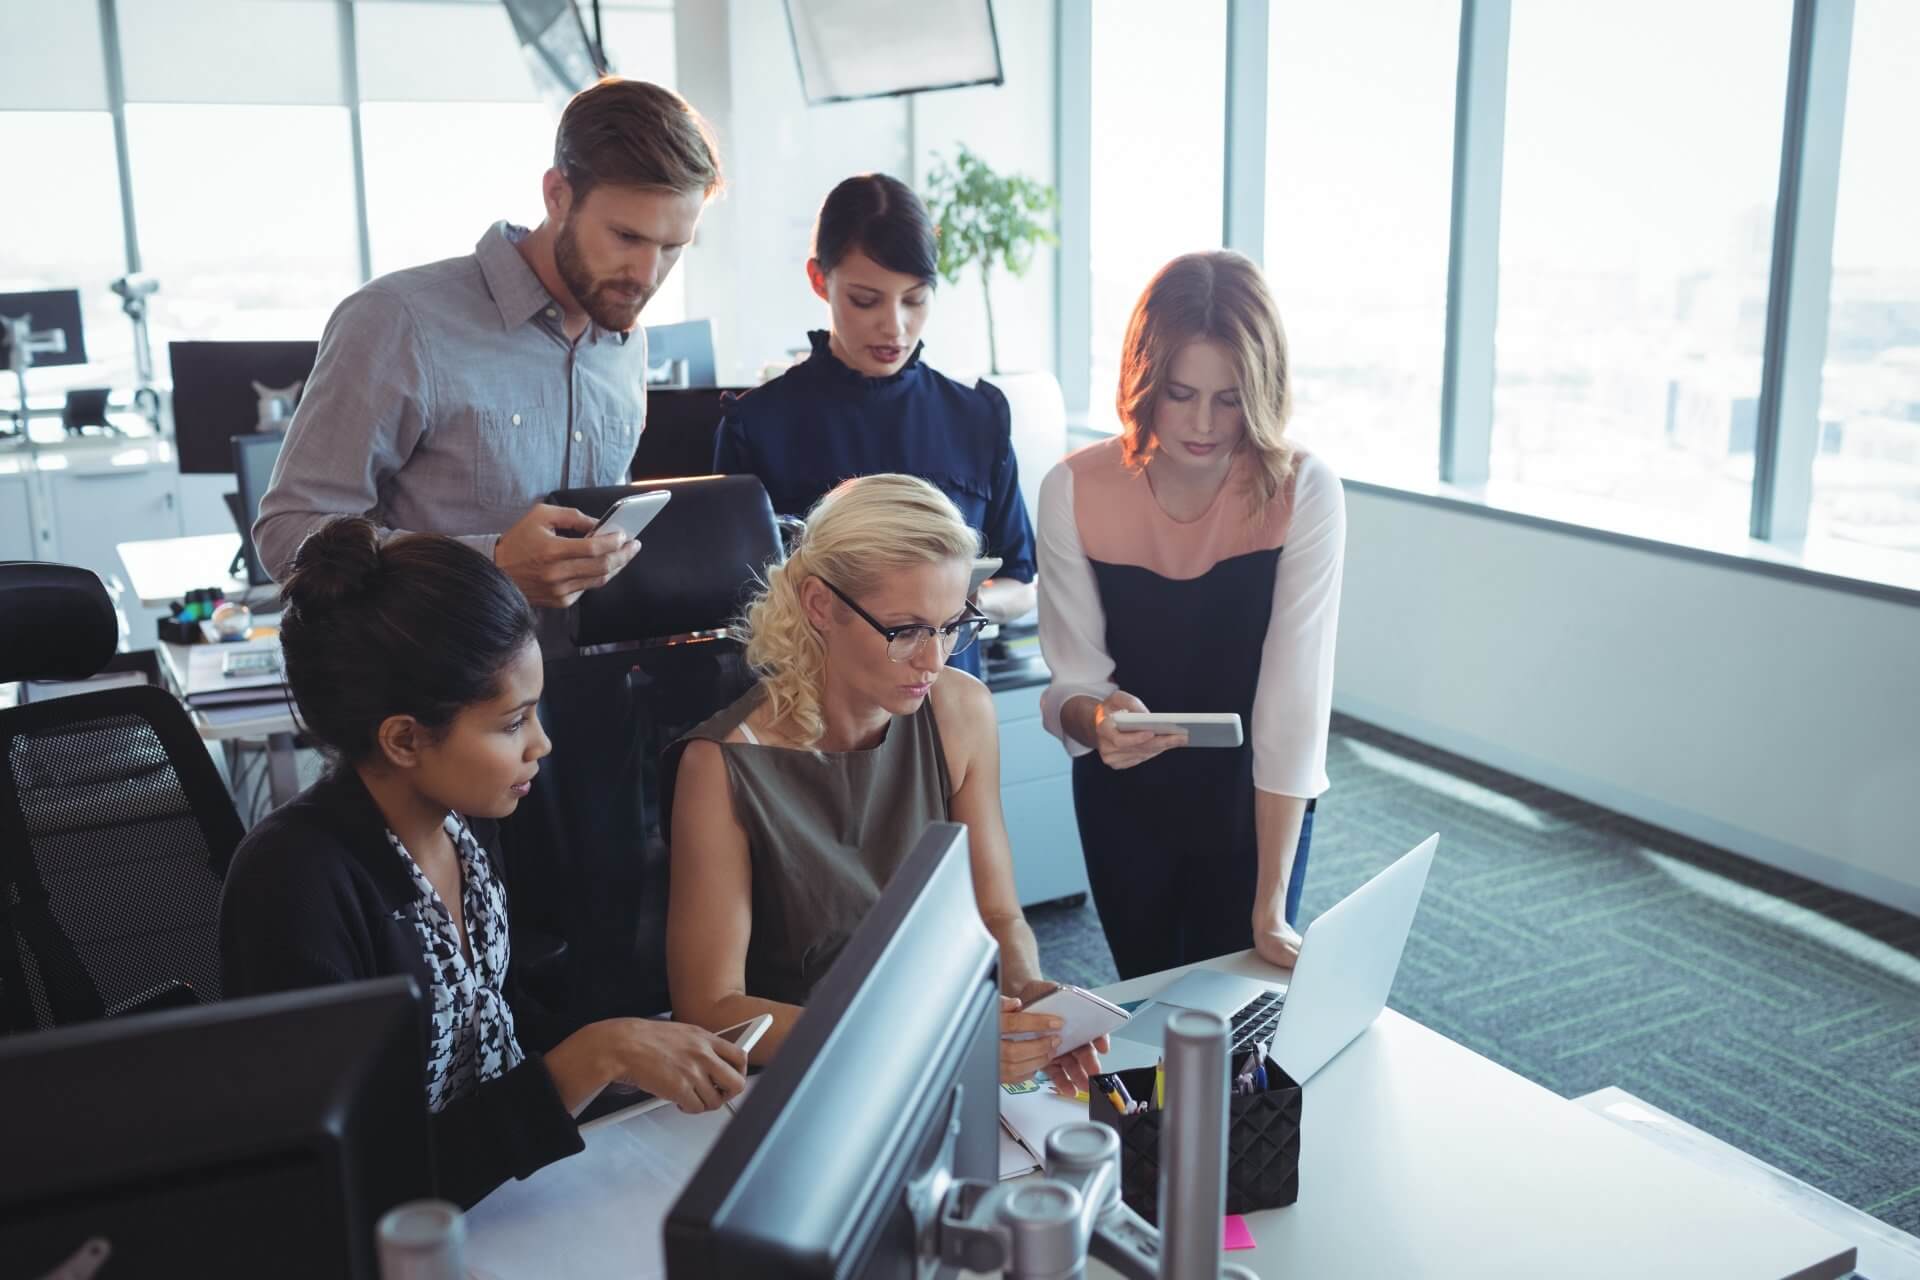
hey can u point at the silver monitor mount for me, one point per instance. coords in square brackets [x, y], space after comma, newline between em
[1047, 1228]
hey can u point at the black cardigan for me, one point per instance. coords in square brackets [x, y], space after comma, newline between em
[310, 901]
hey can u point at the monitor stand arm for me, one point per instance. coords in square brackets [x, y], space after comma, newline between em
[1047, 1228]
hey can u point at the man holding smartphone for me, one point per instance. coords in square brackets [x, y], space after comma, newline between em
[449, 398]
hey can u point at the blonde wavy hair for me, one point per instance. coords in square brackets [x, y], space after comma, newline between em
[855, 535]
[1219, 295]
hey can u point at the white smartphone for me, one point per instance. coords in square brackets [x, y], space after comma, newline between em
[633, 513]
[1085, 1017]
[1203, 728]
[983, 568]
[747, 1034]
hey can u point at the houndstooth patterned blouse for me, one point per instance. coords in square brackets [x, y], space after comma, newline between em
[472, 1037]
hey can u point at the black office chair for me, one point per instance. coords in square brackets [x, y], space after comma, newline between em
[115, 828]
[681, 425]
[585, 855]
[85, 407]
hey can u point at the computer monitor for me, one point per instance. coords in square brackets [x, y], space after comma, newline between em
[214, 397]
[253, 457]
[56, 335]
[691, 342]
[892, 1073]
[678, 439]
[257, 1137]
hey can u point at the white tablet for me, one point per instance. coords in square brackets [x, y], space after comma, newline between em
[983, 568]
[1203, 728]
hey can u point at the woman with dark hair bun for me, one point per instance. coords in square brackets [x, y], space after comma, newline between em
[414, 662]
[864, 404]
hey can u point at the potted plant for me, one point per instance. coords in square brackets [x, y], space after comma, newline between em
[988, 218]
[998, 220]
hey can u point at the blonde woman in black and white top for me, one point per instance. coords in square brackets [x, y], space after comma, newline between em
[415, 662]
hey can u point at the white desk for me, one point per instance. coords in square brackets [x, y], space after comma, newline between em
[1419, 1158]
[268, 722]
[164, 569]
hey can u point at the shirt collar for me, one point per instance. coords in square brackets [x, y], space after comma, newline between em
[516, 290]
[834, 370]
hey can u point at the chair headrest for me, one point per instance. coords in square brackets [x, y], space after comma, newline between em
[699, 559]
[56, 622]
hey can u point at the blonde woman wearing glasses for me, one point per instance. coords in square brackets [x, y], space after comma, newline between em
[792, 808]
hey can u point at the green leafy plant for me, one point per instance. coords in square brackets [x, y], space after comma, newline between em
[993, 219]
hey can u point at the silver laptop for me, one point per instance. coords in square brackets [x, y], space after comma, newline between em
[1348, 958]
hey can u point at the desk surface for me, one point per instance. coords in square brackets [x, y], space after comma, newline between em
[165, 569]
[1419, 1158]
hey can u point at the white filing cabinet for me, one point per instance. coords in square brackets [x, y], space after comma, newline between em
[94, 496]
[1036, 789]
[16, 518]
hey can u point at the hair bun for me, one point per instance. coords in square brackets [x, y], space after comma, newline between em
[337, 563]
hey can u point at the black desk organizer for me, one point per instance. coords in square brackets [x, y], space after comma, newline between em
[1263, 1144]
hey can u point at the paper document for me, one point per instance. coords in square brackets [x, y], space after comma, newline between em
[1015, 1160]
[1033, 1110]
[598, 1213]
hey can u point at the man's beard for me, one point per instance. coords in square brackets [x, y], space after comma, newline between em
[606, 303]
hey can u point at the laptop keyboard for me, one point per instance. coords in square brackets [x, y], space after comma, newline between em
[1254, 1023]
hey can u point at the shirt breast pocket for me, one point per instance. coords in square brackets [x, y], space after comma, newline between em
[610, 444]
[517, 455]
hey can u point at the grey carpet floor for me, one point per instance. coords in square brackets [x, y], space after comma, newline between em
[1581, 949]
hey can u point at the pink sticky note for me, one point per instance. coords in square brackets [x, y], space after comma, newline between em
[1236, 1235]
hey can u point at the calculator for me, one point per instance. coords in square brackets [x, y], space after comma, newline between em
[252, 662]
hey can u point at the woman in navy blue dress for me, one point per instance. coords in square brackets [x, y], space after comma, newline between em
[864, 404]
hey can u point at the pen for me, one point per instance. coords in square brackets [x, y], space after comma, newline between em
[1259, 1077]
[1120, 1086]
[1160, 1085]
[1110, 1086]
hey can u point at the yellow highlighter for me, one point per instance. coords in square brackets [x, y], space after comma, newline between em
[1160, 1085]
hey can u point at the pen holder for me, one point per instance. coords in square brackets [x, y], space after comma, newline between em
[1263, 1144]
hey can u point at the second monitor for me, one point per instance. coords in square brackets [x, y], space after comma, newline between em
[225, 389]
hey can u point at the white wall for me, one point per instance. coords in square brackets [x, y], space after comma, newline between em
[1777, 719]
[747, 269]
[1012, 127]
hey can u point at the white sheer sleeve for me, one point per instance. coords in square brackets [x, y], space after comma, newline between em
[1294, 699]
[1073, 624]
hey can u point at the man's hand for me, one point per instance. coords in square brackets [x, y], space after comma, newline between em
[550, 565]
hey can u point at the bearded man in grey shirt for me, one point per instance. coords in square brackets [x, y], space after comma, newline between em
[450, 398]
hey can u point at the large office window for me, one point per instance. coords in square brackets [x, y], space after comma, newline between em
[246, 216]
[1641, 165]
[1866, 477]
[459, 140]
[67, 237]
[1359, 174]
[1159, 157]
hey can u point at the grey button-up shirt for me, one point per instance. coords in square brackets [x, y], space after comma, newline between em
[447, 399]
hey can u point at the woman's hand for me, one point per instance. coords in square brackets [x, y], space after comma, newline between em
[1038, 1041]
[1068, 1071]
[1274, 939]
[688, 1066]
[1123, 748]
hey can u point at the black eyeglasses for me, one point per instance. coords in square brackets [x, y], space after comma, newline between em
[903, 642]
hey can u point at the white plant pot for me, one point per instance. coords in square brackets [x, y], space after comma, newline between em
[1039, 415]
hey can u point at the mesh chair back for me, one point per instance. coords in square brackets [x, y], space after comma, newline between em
[115, 834]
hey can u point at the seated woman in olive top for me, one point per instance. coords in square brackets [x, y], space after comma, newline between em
[414, 662]
[793, 807]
